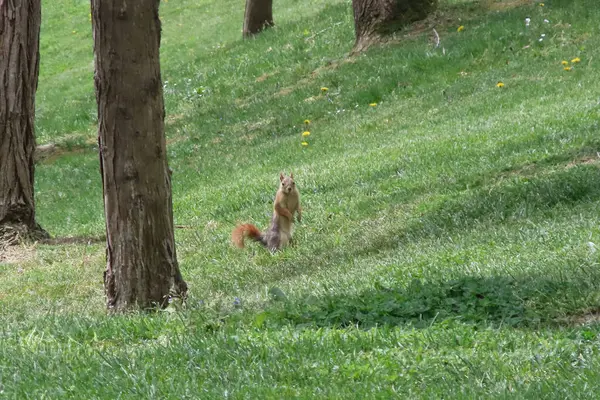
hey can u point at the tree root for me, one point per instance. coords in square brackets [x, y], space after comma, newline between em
[15, 234]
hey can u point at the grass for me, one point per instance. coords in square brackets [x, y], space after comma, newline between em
[449, 242]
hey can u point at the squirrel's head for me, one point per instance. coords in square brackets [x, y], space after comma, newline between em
[287, 183]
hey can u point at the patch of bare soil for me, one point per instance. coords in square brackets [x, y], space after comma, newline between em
[530, 169]
[173, 118]
[584, 160]
[330, 66]
[73, 240]
[17, 254]
[588, 318]
[504, 5]
[266, 76]
[49, 152]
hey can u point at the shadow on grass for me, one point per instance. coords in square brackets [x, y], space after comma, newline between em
[517, 198]
[507, 201]
[587, 153]
[529, 300]
[525, 302]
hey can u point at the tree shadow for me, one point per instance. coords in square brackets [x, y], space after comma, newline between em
[524, 301]
[512, 199]
[528, 301]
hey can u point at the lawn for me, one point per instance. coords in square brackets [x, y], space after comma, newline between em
[448, 247]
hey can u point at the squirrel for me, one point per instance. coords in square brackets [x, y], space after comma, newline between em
[279, 234]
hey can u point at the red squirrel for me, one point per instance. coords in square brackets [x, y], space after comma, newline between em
[279, 234]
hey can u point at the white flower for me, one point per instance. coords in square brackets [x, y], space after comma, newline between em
[527, 21]
[546, 21]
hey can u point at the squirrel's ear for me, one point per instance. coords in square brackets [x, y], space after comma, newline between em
[292, 175]
[281, 176]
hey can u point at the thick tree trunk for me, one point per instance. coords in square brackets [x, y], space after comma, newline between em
[142, 269]
[19, 67]
[258, 16]
[374, 19]
[369, 17]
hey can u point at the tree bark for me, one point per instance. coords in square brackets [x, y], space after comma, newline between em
[141, 262]
[258, 16]
[374, 19]
[19, 67]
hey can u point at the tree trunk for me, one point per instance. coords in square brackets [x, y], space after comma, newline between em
[19, 67]
[258, 16]
[141, 262]
[374, 19]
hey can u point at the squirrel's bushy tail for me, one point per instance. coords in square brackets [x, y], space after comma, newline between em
[246, 230]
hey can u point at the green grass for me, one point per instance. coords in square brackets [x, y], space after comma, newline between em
[448, 246]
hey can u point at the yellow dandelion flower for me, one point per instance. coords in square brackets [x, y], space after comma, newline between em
[568, 68]
[460, 28]
[372, 104]
[576, 60]
[304, 143]
[324, 89]
[305, 133]
[542, 4]
[500, 84]
[564, 62]
[307, 121]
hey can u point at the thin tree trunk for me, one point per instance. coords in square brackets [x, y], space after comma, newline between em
[258, 16]
[141, 266]
[19, 67]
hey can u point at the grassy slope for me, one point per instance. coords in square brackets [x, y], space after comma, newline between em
[447, 230]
